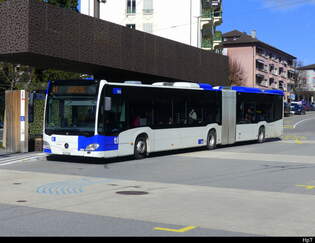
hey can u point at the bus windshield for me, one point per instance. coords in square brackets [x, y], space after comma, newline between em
[71, 110]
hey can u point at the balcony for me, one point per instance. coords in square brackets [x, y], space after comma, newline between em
[217, 39]
[206, 30]
[261, 80]
[261, 66]
[206, 13]
[291, 75]
[215, 3]
[217, 36]
[216, 15]
[206, 44]
[282, 85]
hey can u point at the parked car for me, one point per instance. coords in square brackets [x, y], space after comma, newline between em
[308, 107]
[287, 109]
[298, 109]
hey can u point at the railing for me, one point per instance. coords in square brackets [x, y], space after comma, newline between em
[206, 13]
[147, 11]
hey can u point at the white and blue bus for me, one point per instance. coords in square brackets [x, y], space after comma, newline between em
[101, 119]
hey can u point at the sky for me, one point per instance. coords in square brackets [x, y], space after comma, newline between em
[288, 25]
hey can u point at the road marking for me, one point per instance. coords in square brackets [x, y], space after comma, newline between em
[299, 122]
[18, 159]
[288, 126]
[297, 139]
[304, 141]
[294, 137]
[307, 186]
[69, 186]
[251, 156]
[182, 230]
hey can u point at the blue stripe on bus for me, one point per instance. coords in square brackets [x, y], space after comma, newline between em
[47, 151]
[246, 89]
[253, 90]
[106, 143]
[274, 91]
[205, 86]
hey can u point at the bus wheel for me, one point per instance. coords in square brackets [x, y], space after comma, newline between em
[261, 135]
[140, 150]
[211, 140]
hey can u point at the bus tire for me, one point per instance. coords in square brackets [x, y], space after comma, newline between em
[211, 140]
[261, 135]
[140, 149]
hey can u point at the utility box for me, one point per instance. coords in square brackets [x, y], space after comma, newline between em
[16, 121]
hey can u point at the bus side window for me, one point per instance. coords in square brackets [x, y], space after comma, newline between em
[246, 113]
[180, 107]
[163, 112]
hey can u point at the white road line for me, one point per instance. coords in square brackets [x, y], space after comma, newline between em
[252, 156]
[18, 159]
[299, 122]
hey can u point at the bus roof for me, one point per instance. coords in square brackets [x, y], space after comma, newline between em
[252, 90]
[190, 85]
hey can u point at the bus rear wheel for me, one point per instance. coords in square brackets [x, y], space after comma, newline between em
[211, 140]
[140, 149]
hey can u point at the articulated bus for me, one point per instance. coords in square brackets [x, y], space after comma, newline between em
[101, 119]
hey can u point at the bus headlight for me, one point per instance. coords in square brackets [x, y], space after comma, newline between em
[92, 147]
[46, 145]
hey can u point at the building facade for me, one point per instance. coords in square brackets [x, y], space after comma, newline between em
[263, 66]
[305, 87]
[192, 22]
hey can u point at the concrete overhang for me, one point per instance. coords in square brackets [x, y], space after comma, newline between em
[44, 36]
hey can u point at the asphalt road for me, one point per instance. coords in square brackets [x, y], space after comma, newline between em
[247, 189]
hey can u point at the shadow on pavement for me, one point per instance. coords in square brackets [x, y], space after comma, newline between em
[77, 159]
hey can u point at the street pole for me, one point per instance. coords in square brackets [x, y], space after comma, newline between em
[191, 21]
[97, 9]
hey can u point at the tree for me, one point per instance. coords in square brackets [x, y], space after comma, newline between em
[16, 76]
[299, 79]
[236, 73]
[72, 4]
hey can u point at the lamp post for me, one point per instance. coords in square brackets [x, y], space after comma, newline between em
[190, 17]
[97, 7]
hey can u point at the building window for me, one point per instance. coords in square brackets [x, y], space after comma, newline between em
[147, 27]
[131, 6]
[147, 6]
[281, 85]
[131, 26]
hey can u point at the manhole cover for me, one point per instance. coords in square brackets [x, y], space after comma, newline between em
[132, 192]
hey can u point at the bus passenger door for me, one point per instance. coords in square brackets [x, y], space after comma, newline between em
[228, 116]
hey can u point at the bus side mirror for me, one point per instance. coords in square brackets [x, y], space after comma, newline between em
[108, 103]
